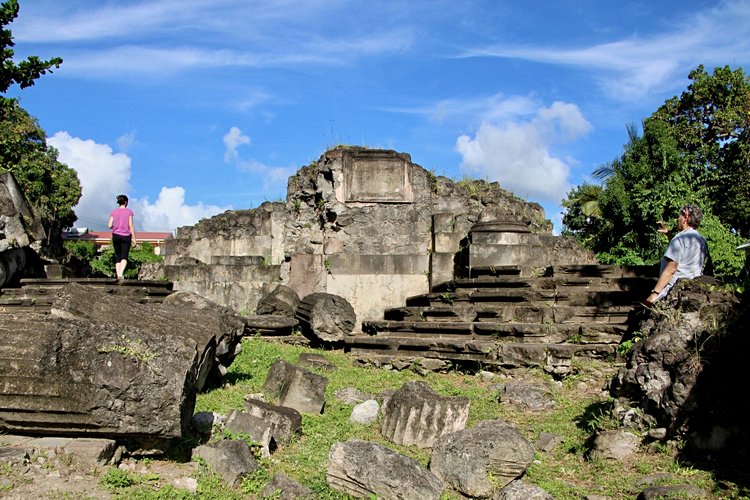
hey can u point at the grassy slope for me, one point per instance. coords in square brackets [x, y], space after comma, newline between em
[564, 472]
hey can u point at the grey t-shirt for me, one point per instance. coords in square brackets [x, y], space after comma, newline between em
[689, 249]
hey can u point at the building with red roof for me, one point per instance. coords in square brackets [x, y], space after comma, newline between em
[104, 238]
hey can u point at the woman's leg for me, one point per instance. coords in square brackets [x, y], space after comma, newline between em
[120, 268]
[121, 245]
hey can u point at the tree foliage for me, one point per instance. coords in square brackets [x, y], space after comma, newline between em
[27, 71]
[49, 185]
[694, 149]
[103, 264]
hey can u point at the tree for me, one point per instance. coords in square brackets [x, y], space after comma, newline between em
[711, 124]
[583, 216]
[26, 72]
[50, 186]
[694, 149]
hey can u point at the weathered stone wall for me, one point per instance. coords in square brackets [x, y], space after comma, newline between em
[368, 225]
[19, 229]
[18, 225]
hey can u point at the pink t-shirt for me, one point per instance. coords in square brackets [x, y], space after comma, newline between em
[121, 221]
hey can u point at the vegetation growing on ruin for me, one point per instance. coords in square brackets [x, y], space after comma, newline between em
[130, 349]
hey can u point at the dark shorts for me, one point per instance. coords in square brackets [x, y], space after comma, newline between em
[121, 244]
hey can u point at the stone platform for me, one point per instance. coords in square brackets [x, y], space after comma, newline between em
[36, 295]
[505, 320]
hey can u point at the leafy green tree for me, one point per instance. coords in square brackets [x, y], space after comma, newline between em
[27, 71]
[710, 123]
[583, 216]
[694, 149]
[50, 186]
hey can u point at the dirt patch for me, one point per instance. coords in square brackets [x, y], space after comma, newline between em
[54, 475]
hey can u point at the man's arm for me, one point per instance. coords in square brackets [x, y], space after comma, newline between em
[664, 278]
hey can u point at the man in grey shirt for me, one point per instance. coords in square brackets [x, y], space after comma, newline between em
[685, 255]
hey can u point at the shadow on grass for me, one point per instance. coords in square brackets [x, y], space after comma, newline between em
[233, 378]
[596, 417]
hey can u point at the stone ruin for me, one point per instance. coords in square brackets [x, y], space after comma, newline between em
[21, 233]
[362, 233]
[367, 225]
[100, 365]
[679, 378]
[462, 460]
[375, 254]
[457, 271]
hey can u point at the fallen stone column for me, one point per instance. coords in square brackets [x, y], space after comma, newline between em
[326, 317]
[295, 387]
[105, 366]
[479, 461]
[73, 377]
[281, 301]
[364, 470]
[417, 415]
[228, 327]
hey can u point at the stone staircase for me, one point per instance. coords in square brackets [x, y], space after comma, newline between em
[37, 295]
[501, 319]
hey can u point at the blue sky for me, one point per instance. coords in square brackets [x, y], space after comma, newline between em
[193, 107]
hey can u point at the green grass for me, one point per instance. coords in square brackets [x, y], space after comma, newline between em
[564, 472]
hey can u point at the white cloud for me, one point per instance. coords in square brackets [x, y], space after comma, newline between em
[104, 174]
[232, 140]
[273, 179]
[517, 154]
[158, 38]
[104, 21]
[630, 68]
[125, 141]
[496, 107]
[169, 211]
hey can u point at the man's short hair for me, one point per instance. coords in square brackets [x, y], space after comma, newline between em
[693, 214]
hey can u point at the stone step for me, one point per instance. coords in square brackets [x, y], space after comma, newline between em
[628, 284]
[555, 358]
[37, 295]
[485, 282]
[522, 332]
[590, 270]
[472, 296]
[607, 271]
[28, 283]
[491, 271]
[500, 297]
[524, 313]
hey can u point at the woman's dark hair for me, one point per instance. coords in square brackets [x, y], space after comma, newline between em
[122, 200]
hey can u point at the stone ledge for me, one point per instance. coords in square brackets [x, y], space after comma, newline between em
[88, 451]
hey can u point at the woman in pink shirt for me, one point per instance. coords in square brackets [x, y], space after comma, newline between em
[123, 233]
